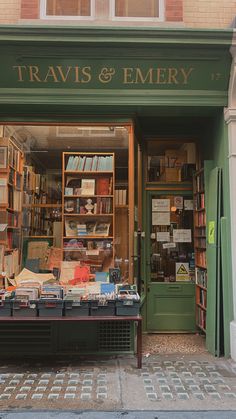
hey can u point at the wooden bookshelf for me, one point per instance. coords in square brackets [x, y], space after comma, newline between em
[88, 208]
[38, 207]
[11, 187]
[200, 250]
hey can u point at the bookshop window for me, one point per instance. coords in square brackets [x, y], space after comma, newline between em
[66, 193]
[138, 9]
[169, 161]
[171, 239]
[66, 8]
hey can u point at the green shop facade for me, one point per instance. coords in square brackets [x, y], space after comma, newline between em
[167, 87]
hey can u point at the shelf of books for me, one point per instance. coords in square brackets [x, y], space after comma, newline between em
[11, 184]
[200, 250]
[40, 209]
[88, 209]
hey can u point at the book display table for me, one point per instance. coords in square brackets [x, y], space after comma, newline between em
[137, 320]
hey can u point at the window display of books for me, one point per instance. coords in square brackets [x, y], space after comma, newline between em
[88, 207]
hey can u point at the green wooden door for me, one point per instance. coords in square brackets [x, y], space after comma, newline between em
[214, 293]
[170, 303]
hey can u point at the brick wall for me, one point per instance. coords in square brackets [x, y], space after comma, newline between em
[29, 9]
[9, 11]
[190, 13]
[209, 13]
[174, 10]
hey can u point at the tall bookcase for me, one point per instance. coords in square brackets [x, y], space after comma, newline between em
[88, 220]
[200, 249]
[40, 211]
[11, 186]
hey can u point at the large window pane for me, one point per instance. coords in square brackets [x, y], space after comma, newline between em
[68, 8]
[54, 199]
[137, 8]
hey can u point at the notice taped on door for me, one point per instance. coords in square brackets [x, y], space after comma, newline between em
[182, 271]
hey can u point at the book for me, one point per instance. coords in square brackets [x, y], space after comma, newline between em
[69, 205]
[88, 164]
[81, 229]
[75, 163]
[114, 275]
[124, 193]
[71, 227]
[72, 182]
[3, 191]
[102, 186]
[94, 164]
[102, 229]
[90, 228]
[1, 259]
[87, 186]
[68, 191]
[70, 163]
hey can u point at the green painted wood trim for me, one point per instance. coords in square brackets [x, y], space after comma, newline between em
[114, 97]
[227, 285]
[118, 35]
[211, 191]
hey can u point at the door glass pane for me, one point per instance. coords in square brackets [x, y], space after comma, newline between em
[137, 8]
[170, 161]
[68, 8]
[171, 238]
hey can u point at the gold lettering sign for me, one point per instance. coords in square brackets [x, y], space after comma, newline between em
[53, 74]
[69, 74]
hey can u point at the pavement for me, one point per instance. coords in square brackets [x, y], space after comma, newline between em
[166, 383]
[117, 415]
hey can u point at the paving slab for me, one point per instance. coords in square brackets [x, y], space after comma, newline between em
[117, 415]
[165, 382]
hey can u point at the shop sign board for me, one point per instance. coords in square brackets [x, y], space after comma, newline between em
[154, 74]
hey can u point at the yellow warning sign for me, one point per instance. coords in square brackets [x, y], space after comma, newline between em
[182, 271]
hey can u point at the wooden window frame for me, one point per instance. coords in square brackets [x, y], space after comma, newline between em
[160, 18]
[43, 13]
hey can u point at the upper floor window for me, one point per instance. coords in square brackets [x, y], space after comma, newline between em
[71, 9]
[120, 10]
[138, 9]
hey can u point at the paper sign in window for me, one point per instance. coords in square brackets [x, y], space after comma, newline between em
[178, 202]
[161, 205]
[182, 236]
[188, 204]
[163, 236]
[161, 218]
